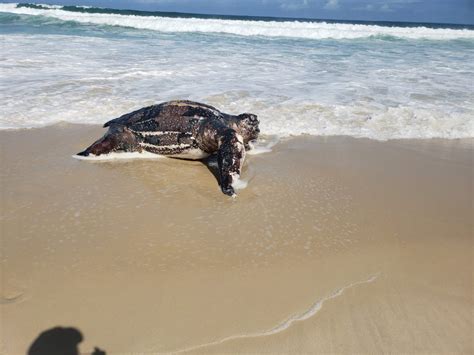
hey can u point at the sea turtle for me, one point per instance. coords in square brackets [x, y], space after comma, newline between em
[183, 129]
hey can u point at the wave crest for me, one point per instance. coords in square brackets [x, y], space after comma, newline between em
[290, 29]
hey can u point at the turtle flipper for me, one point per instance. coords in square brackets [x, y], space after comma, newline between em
[117, 138]
[104, 145]
[230, 158]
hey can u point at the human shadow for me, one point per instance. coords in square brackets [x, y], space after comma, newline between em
[59, 341]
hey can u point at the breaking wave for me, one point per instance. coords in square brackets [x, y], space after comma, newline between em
[58, 68]
[179, 23]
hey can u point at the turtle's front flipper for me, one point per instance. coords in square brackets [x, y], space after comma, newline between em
[230, 158]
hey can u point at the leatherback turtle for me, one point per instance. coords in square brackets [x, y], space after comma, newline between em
[183, 129]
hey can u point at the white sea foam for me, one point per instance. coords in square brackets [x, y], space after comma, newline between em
[119, 156]
[238, 183]
[306, 314]
[365, 88]
[381, 123]
[292, 29]
[262, 145]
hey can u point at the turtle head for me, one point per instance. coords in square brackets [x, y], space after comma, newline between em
[247, 126]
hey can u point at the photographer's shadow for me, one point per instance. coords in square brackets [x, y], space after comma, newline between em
[59, 341]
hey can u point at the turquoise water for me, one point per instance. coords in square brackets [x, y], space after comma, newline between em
[375, 80]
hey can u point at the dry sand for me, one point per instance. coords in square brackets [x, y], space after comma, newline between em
[337, 245]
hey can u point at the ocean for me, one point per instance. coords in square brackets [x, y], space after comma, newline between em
[375, 80]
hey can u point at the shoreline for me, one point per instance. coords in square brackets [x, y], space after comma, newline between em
[155, 243]
[98, 129]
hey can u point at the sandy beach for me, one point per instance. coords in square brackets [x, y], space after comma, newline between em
[336, 245]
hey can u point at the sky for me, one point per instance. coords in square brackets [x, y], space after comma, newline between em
[438, 11]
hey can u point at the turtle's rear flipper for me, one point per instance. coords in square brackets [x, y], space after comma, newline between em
[103, 146]
[117, 138]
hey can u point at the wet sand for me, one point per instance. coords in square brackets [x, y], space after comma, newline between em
[336, 245]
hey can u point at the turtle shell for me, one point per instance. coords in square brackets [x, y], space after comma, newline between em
[173, 116]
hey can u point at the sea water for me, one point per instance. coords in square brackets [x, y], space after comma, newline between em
[375, 80]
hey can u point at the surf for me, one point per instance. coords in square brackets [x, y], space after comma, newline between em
[181, 23]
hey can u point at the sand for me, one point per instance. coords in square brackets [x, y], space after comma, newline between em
[337, 245]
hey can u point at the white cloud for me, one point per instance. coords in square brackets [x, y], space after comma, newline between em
[385, 8]
[385, 5]
[294, 5]
[332, 5]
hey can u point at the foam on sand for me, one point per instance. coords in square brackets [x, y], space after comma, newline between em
[262, 145]
[308, 313]
[239, 184]
[119, 156]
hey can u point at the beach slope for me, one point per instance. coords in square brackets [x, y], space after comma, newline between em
[336, 245]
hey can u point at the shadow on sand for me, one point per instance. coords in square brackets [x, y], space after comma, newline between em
[59, 341]
[212, 165]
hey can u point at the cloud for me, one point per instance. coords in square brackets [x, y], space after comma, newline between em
[384, 5]
[293, 5]
[332, 5]
[306, 4]
[385, 8]
[151, 2]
